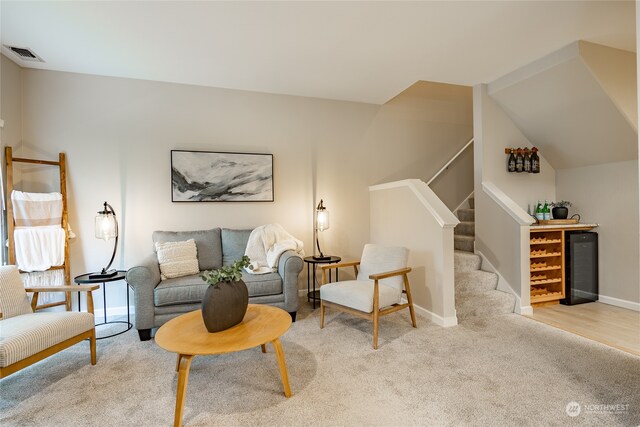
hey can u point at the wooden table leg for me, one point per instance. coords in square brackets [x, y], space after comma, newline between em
[183, 377]
[178, 363]
[263, 347]
[282, 365]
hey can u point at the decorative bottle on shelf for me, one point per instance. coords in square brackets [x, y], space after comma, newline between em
[546, 211]
[511, 163]
[539, 213]
[535, 161]
[519, 160]
[527, 161]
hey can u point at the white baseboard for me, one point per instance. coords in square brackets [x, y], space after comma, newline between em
[504, 286]
[619, 302]
[111, 311]
[445, 322]
[438, 320]
[526, 311]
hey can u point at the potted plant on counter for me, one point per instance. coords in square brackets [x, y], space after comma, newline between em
[560, 209]
[226, 299]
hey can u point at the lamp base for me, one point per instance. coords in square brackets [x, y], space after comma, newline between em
[103, 275]
[321, 257]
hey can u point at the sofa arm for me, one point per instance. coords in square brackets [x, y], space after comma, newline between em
[289, 267]
[143, 279]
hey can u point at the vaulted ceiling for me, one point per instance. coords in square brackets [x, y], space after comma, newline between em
[357, 51]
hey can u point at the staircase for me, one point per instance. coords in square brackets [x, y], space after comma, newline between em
[476, 294]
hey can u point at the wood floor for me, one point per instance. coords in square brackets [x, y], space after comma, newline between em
[614, 326]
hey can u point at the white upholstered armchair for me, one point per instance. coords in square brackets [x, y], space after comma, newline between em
[377, 290]
[27, 337]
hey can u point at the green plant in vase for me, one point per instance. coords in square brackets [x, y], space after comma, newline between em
[560, 209]
[226, 299]
[231, 273]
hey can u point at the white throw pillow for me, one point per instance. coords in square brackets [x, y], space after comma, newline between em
[177, 259]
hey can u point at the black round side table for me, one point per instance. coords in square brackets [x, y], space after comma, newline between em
[310, 260]
[85, 280]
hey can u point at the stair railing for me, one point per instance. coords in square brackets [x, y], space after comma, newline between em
[442, 169]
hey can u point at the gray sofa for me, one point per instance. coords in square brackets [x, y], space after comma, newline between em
[156, 301]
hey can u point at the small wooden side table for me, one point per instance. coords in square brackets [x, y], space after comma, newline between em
[188, 336]
[310, 260]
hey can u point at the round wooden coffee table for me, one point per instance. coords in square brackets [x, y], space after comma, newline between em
[187, 336]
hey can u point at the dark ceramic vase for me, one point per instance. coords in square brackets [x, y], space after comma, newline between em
[224, 305]
[560, 212]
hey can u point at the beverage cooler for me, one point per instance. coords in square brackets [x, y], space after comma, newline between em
[581, 267]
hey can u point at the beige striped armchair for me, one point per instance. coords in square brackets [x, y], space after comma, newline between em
[27, 337]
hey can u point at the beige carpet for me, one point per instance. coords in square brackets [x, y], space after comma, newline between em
[505, 370]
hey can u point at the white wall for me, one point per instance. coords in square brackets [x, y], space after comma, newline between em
[608, 195]
[118, 133]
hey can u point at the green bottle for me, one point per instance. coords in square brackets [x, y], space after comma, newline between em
[539, 212]
[546, 211]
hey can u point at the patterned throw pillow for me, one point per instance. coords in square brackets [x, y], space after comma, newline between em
[177, 259]
[13, 298]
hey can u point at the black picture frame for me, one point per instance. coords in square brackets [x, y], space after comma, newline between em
[215, 176]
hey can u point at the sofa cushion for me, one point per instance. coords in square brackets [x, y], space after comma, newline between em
[234, 243]
[191, 289]
[207, 241]
[177, 259]
[26, 335]
[13, 297]
[263, 284]
[181, 290]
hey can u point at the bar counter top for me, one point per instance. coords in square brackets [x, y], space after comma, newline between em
[564, 226]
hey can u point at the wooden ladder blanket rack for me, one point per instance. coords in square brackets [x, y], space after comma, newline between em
[61, 164]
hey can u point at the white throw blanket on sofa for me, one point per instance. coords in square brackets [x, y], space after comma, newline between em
[266, 244]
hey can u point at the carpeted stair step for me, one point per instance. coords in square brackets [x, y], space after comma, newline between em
[466, 214]
[466, 261]
[484, 304]
[475, 282]
[465, 228]
[472, 203]
[463, 243]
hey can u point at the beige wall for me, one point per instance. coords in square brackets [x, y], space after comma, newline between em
[11, 113]
[431, 246]
[118, 134]
[455, 183]
[615, 70]
[608, 195]
[419, 131]
[10, 102]
[498, 235]
[499, 132]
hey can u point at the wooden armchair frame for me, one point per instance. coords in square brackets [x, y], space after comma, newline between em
[376, 313]
[90, 334]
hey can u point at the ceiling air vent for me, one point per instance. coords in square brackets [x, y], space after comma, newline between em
[24, 53]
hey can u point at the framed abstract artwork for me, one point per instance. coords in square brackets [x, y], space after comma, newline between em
[206, 176]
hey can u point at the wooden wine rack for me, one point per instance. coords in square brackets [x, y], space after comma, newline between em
[546, 266]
